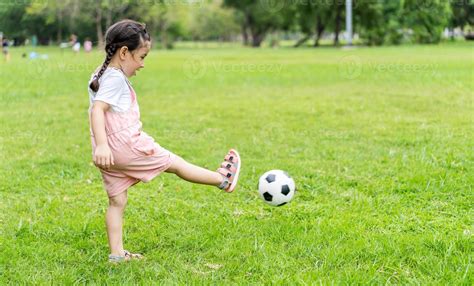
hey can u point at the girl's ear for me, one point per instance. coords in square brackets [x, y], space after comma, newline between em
[122, 52]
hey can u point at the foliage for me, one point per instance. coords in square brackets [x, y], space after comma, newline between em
[376, 22]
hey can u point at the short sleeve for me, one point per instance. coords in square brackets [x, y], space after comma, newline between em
[110, 89]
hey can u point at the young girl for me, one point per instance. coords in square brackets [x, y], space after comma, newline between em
[124, 154]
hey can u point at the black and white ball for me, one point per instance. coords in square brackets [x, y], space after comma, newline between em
[276, 187]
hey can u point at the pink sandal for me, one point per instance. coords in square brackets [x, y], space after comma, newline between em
[230, 170]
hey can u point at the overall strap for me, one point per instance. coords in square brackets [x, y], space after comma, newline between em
[132, 92]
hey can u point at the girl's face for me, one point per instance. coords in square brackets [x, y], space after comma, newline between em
[132, 61]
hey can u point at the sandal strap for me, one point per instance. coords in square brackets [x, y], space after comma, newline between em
[127, 256]
[224, 184]
[116, 258]
[230, 157]
[226, 173]
[229, 166]
[132, 255]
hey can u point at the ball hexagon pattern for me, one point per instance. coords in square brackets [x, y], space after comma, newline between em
[276, 187]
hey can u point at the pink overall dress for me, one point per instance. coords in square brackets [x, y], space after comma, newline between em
[137, 156]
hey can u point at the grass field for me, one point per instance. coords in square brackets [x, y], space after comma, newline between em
[379, 141]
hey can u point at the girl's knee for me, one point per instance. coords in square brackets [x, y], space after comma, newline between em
[119, 200]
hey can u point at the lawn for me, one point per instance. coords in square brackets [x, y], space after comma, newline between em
[379, 141]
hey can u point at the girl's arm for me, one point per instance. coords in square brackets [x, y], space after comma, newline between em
[102, 156]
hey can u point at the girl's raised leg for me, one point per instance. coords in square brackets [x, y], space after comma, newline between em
[193, 173]
[226, 177]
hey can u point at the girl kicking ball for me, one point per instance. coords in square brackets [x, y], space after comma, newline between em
[124, 154]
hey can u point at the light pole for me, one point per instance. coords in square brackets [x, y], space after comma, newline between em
[349, 22]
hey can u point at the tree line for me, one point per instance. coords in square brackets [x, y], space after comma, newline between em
[376, 22]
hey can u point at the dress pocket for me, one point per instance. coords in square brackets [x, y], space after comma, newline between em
[144, 145]
[118, 140]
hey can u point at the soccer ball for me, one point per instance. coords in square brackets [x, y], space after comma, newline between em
[276, 187]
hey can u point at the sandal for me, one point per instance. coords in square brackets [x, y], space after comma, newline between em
[126, 257]
[230, 170]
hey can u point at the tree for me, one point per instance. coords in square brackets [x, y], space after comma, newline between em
[313, 19]
[426, 19]
[339, 8]
[60, 16]
[378, 23]
[462, 14]
[213, 22]
[167, 20]
[13, 29]
[259, 17]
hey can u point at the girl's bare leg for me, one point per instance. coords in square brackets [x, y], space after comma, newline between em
[114, 222]
[193, 173]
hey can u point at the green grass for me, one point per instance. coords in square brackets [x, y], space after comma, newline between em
[379, 141]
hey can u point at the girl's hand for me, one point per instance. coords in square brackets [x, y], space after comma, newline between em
[103, 157]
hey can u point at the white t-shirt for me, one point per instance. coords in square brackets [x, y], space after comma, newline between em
[113, 90]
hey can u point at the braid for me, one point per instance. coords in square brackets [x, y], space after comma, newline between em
[125, 33]
[110, 51]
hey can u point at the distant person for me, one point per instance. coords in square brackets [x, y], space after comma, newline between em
[72, 40]
[74, 43]
[123, 152]
[87, 45]
[76, 47]
[5, 51]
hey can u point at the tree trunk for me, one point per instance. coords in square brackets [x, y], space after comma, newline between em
[258, 35]
[302, 41]
[164, 34]
[164, 40]
[337, 28]
[108, 17]
[319, 32]
[59, 37]
[257, 39]
[246, 28]
[245, 35]
[98, 25]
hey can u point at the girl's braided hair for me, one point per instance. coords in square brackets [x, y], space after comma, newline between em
[127, 33]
